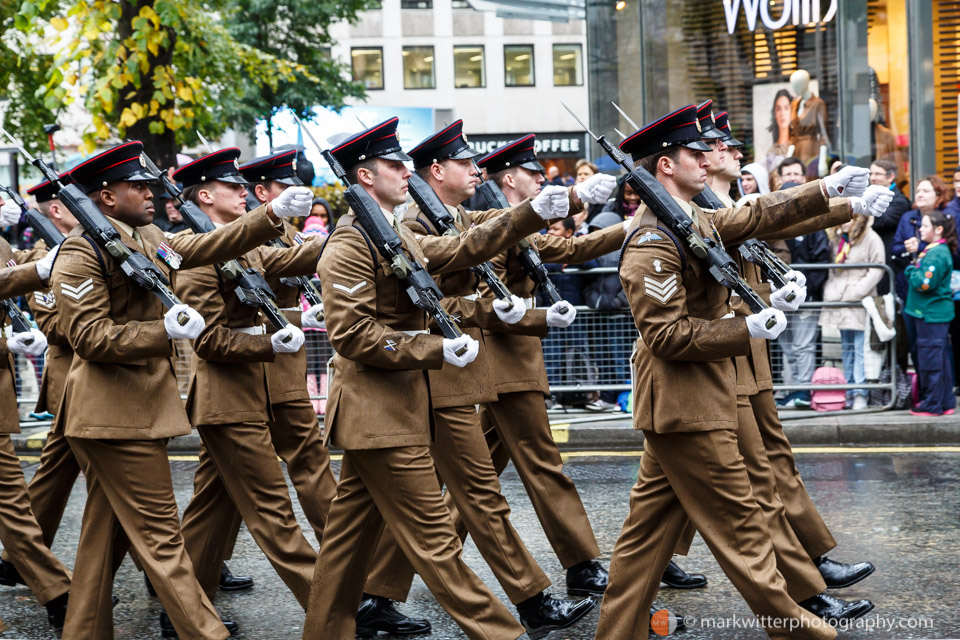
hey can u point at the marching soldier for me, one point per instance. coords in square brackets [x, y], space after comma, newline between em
[121, 404]
[445, 162]
[30, 561]
[688, 338]
[379, 402]
[227, 398]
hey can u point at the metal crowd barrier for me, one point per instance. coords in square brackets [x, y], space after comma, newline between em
[591, 355]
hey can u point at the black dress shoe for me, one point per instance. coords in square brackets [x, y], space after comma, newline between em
[677, 578]
[587, 579]
[679, 624]
[543, 613]
[57, 613]
[834, 609]
[838, 575]
[377, 613]
[167, 630]
[9, 576]
[230, 582]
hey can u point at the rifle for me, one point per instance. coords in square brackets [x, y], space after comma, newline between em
[421, 288]
[431, 206]
[134, 264]
[44, 227]
[303, 283]
[529, 258]
[752, 250]
[665, 208]
[252, 288]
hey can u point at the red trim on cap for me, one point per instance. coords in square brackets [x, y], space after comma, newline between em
[111, 150]
[269, 159]
[209, 155]
[364, 134]
[46, 183]
[512, 145]
[658, 122]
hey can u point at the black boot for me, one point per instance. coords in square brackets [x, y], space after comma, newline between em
[9, 576]
[57, 613]
[230, 582]
[838, 575]
[678, 623]
[377, 613]
[677, 578]
[167, 630]
[587, 579]
[834, 609]
[543, 613]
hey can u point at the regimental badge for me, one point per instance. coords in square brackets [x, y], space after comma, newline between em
[299, 238]
[464, 136]
[697, 122]
[236, 164]
[143, 163]
[660, 290]
[166, 253]
[648, 236]
[657, 266]
[11, 262]
[45, 300]
[294, 163]
[391, 345]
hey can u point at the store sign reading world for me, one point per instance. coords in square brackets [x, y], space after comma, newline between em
[795, 12]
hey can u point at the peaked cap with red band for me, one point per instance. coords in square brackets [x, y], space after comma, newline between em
[518, 153]
[723, 126]
[708, 126]
[220, 165]
[679, 128]
[277, 167]
[121, 163]
[380, 141]
[447, 143]
[47, 191]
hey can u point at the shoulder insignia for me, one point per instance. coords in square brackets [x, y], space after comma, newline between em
[391, 345]
[77, 292]
[168, 255]
[648, 236]
[11, 262]
[660, 290]
[349, 290]
[46, 300]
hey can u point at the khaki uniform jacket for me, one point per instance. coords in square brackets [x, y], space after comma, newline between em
[453, 386]
[379, 396]
[526, 370]
[287, 374]
[229, 382]
[684, 374]
[122, 384]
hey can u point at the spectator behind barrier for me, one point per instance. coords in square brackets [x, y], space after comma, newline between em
[852, 242]
[585, 169]
[884, 173]
[799, 341]
[626, 201]
[929, 194]
[753, 180]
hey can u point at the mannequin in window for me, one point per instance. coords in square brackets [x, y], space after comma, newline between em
[808, 122]
[884, 145]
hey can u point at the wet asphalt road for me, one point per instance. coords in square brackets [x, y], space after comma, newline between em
[897, 508]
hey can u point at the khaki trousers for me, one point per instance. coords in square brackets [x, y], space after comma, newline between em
[462, 459]
[517, 429]
[20, 534]
[806, 521]
[130, 502]
[239, 471]
[397, 487]
[701, 474]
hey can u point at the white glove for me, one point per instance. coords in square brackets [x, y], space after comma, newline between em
[596, 189]
[874, 201]
[293, 202]
[17, 342]
[552, 202]
[757, 324]
[560, 320]
[9, 213]
[450, 347]
[508, 314]
[290, 346]
[312, 318]
[778, 299]
[45, 264]
[796, 276]
[849, 182]
[190, 330]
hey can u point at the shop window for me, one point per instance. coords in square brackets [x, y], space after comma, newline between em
[518, 65]
[418, 68]
[416, 4]
[468, 67]
[567, 65]
[461, 4]
[368, 66]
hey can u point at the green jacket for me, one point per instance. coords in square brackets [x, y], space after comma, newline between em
[929, 297]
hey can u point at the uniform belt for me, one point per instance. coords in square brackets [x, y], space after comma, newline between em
[258, 330]
[415, 332]
[290, 309]
[529, 303]
[472, 297]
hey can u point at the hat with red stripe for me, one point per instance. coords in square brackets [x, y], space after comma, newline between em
[448, 143]
[723, 126]
[708, 125]
[519, 153]
[121, 163]
[47, 191]
[220, 165]
[381, 141]
[678, 129]
[277, 167]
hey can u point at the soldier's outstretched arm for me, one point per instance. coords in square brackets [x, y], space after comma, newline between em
[298, 260]
[578, 249]
[227, 242]
[771, 213]
[480, 313]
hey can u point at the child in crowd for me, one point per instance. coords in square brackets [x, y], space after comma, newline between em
[930, 304]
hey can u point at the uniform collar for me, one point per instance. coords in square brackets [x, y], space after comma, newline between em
[455, 212]
[127, 229]
[687, 209]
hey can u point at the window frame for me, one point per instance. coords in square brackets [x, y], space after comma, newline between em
[353, 70]
[433, 65]
[483, 65]
[533, 65]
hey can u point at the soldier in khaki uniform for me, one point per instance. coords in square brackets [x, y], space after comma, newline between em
[688, 338]
[379, 407]
[445, 162]
[227, 398]
[121, 404]
[30, 560]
